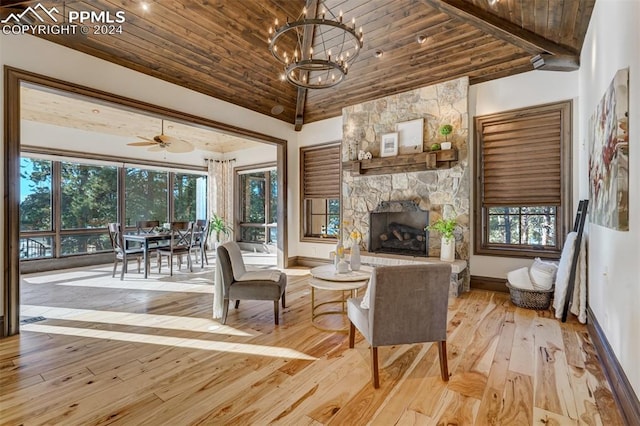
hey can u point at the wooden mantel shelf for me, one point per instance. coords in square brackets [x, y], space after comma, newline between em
[403, 163]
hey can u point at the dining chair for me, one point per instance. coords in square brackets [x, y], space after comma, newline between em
[240, 284]
[181, 244]
[200, 236]
[146, 226]
[120, 252]
[406, 304]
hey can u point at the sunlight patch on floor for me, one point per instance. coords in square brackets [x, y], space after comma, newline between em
[199, 281]
[170, 322]
[67, 274]
[208, 345]
[147, 285]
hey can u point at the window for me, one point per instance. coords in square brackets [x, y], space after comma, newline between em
[145, 195]
[65, 206]
[522, 194]
[320, 192]
[189, 197]
[35, 195]
[258, 203]
[91, 211]
[36, 208]
[99, 201]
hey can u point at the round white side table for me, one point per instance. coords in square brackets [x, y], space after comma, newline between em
[326, 278]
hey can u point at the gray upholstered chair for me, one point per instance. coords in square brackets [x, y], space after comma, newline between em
[240, 284]
[407, 304]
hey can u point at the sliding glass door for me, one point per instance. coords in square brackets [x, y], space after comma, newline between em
[258, 205]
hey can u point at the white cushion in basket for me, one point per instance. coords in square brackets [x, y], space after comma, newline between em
[520, 279]
[543, 274]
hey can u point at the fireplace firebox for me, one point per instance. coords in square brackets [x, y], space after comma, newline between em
[398, 227]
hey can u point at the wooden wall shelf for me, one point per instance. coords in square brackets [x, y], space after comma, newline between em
[403, 163]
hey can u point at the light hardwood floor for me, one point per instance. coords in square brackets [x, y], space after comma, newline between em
[146, 352]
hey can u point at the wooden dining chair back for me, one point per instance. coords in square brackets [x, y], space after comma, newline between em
[120, 251]
[146, 226]
[200, 237]
[181, 244]
[407, 304]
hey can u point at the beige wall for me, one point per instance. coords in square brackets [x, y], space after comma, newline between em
[614, 257]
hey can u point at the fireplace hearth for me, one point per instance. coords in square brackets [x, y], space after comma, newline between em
[398, 227]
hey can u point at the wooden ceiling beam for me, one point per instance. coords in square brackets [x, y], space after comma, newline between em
[500, 28]
[307, 42]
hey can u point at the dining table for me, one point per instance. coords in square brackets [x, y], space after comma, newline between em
[146, 240]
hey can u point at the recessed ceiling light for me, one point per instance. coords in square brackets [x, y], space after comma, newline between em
[277, 109]
[95, 111]
[379, 53]
[144, 6]
[421, 38]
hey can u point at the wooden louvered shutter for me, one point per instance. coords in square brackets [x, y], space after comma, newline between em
[523, 159]
[321, 172]
[520, 161]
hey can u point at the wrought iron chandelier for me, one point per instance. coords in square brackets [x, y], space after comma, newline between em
[316, 50]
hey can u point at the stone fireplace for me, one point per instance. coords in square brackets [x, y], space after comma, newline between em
[369, 199]
[397, 227]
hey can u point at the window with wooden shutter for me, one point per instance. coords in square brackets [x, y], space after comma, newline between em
[522, 192]
[320, 192]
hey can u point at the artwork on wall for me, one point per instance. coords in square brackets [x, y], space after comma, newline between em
[609, 156]
[389, 145]
[410, 135]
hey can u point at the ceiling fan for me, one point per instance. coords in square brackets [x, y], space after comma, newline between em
[163, 142]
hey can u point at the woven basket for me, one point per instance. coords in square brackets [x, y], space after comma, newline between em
[530, 299]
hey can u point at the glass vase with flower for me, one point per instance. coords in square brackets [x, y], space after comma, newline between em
[356, 236]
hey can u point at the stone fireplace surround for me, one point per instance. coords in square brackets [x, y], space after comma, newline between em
[442, 192]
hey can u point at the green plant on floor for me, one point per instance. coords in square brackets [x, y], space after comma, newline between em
[219, 226]
[445, 227]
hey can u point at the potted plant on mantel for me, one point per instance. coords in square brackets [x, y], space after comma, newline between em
[445, 130]
[447, 243]
[218, 226]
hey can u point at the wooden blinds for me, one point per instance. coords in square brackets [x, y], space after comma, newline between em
[520, 161]
[321, 172]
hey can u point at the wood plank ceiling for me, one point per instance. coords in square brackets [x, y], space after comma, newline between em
[219, 47]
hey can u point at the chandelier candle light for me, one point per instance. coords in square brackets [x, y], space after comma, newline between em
[324, 64]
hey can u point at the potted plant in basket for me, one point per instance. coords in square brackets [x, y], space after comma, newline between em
[445, 130]
[219, 226]
[445, 227]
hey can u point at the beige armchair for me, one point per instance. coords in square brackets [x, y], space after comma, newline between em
[240, 284]
[407, 304]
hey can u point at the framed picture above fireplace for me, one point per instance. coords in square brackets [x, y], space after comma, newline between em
[410, 136]
[389, 144]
